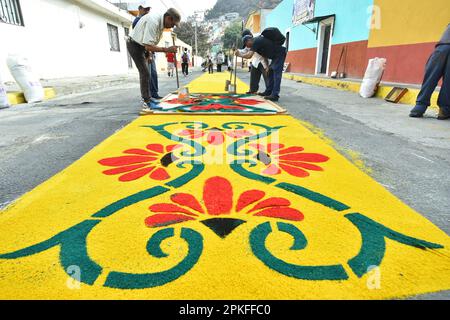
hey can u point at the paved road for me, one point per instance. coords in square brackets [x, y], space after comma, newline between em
[410, 157]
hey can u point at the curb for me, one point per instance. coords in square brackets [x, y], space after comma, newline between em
[409, 98]
[18, 97]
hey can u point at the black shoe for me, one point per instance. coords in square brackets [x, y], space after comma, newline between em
[157, 97]
[263, 94]
[418, 111]
[416, 114]
[250, 92]
[442, 115]
[272, 98]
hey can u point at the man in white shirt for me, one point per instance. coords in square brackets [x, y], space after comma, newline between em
[145, 38]
[260, 67]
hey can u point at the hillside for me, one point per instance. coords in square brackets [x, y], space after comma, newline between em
[243, 7]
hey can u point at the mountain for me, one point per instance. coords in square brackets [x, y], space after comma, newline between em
[243, 7]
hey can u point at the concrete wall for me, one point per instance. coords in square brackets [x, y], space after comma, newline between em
[351, 30]
[56, 45]
[407, 36]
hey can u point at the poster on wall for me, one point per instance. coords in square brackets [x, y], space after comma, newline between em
[303, 11]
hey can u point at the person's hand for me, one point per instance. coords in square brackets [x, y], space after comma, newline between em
[172, 49]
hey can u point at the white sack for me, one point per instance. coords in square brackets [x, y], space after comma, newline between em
[372, 78]
[29, 83]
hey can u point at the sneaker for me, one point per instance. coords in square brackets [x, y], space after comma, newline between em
[145, 109]
[272, 98]
[442, 115]
[418, 111]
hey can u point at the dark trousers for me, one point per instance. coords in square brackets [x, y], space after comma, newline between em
[154, 88]
[255, 77]
[219, 68]
[211, 68]
[137, 53]
[185, 68]
[438, 66]
[276, 72]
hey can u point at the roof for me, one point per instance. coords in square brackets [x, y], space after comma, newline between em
[107, 8]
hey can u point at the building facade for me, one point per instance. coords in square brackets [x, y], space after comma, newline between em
[65, 38]
[341, 35]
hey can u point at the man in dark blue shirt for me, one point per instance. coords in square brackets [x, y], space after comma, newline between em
[269, 50]
[142, 12]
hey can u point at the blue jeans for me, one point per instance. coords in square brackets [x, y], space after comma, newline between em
[438, 66]
[276, 72]
[153, 78]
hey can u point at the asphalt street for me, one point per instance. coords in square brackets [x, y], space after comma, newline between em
[409, 157]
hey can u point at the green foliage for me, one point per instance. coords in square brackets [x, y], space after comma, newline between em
[186, 33]
[232, 35]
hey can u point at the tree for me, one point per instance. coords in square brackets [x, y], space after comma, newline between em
[232, 34]
[186, 33]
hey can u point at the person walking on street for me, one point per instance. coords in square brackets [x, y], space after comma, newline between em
[268, 49]
[210, 65]
[145, 38]
[437, 67]
[220, 61]
[185, 62]
[170, 64]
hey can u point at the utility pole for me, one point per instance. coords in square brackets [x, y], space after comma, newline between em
[196, 18]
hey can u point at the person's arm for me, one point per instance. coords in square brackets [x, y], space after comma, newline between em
[247, 55]
[153, 48]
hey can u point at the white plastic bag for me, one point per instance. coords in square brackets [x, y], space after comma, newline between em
[372, 78]
[29, 83]
[4, 103]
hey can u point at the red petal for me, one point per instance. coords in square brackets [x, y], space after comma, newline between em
[297, 172]
[159, 148]
[162, 220]
[173, 147]
[136, 174]
[187, 200]
[121, 170]
[140, 152]
[168, 207]
[239, 133]
[303, 165]
[125, 161]
[193, 134]
[272, 170]
[249, 197]
[282, 213]
[160, 175]
[289, 150]
[271, 202]
[216, 138]
[218, 196]
[306, 157]
[274, 146]
[249, 102]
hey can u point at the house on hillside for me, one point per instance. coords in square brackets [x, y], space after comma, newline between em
[65, 38]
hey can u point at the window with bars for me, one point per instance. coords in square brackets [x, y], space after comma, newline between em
[10, 12]
[113, 33]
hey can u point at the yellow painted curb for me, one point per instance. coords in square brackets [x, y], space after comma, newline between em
[18, 97]
[409, 98]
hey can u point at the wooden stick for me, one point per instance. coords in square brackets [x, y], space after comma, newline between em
[176, 62]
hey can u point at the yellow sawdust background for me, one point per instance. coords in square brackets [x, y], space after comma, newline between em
[227, 268]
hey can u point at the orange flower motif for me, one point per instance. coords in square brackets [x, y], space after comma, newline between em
[292, 160]
[137, 163]
[218, 204]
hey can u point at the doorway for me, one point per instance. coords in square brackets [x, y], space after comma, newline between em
[324, 46]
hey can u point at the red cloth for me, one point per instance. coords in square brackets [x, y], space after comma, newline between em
[170, 57]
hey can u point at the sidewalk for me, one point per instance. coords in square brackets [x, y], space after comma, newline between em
[65, 86]
[349, 84]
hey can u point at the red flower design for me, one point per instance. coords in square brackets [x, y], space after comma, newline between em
[137, 163]
[292, 160]
[248, 102]
[215, 136]
[218, 202]
[216, 106]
